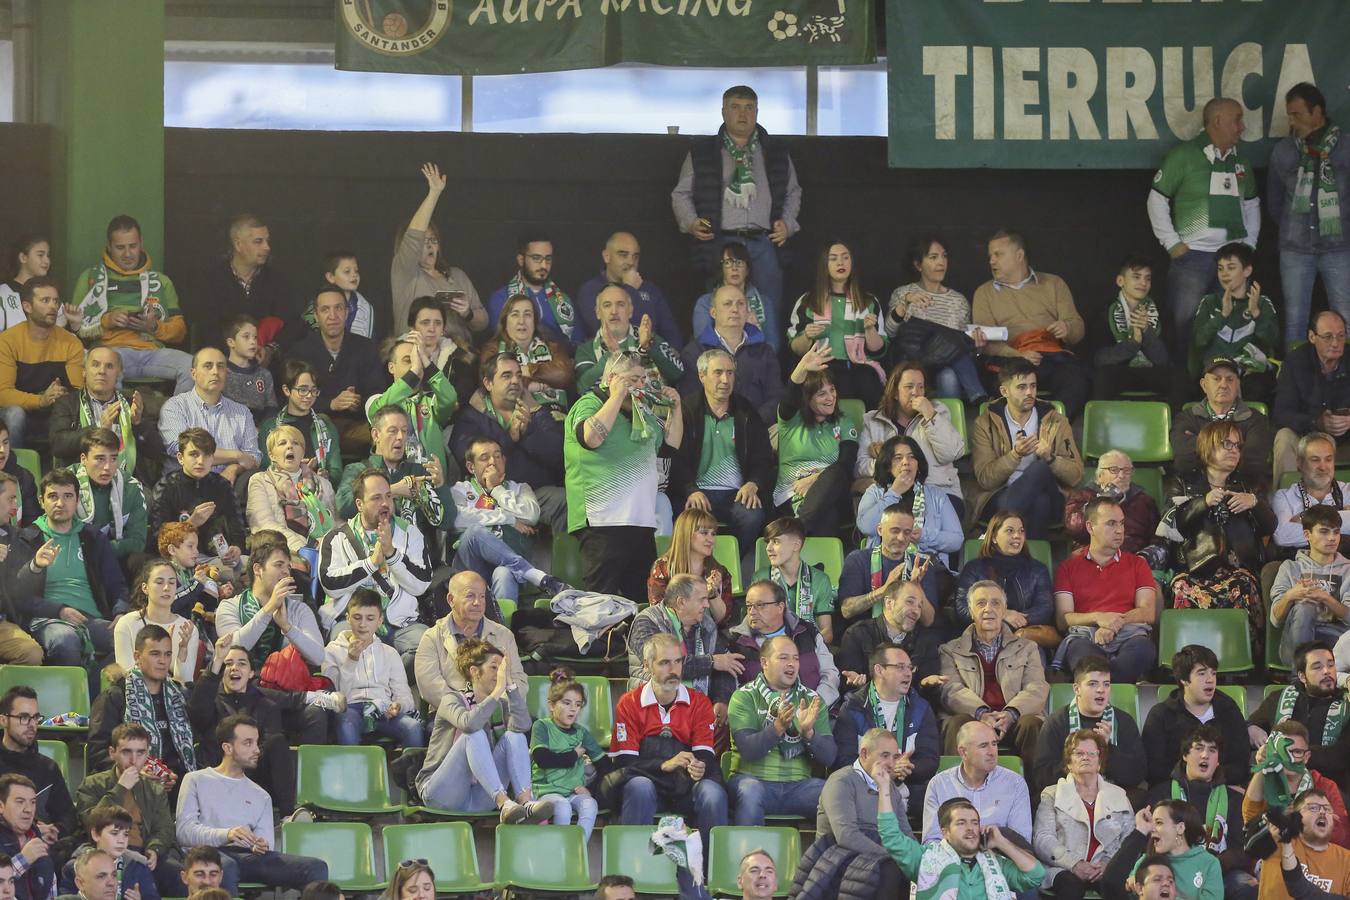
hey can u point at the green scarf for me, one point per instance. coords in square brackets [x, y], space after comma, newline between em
[1108, 716]
[95, 301]
[300, 503]
[917, 504]
[1119, 321]
[1331, 728]
[116, 494]
[1314, 168]
[756, 304]
[424, 501]
[270, 641]
[141, 709]
[941, 870]
[699, 684]
[740, 190]
[767, 704]
[879, 717]
[1216, 814]
[1278, 763]
[1225, 197]
[801, 599]
[536, 352]
[558, 302]
[126, 451]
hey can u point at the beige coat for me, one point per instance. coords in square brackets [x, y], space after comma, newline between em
[1021, 675]
[992, 449]
[435, 666]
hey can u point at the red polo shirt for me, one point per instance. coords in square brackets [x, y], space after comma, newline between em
[1108, 588]
[638, 715]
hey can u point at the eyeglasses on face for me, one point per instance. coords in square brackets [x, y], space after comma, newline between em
[756, 607]
[733, 264]
[537, 258]
[903, 667]
[24, 718]
[1116, 471]
[1230, 445]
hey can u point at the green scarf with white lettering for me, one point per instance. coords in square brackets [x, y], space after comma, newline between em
[740, 190]
[941, 871]
[1336, 714]
[1314, 169]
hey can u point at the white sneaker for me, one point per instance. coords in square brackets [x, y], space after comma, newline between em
[333, 701]
[514, 813]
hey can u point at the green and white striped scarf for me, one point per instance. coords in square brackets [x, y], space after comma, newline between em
[1314, 169]
[768, 702]
[1120, 324]
[941, 870]
[1108, 716]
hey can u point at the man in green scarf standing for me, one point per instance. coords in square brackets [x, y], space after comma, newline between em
[969, 863]
[1308, 194]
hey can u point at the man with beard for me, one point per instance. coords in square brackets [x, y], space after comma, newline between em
[1310, 593]
[1201, 781]
[348, 365]
[220, 807]
[1315, 700]
[420, 495]
[969, 863]
[621, 256]
[1325, 865]
[422, 391]
[1222, 387]
[126, 305]
[1197, 701]
[901, 609]
[26, 841]
[19, 755]
[1317, 486]
[228, 689]
[888, 701]
[40, 362]
[555, 317]
[663, 746]
[779, 728]
[1091, 708]
[102, 405]
[378, 550]
[529, 436]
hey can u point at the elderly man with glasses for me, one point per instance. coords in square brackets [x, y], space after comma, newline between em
[1313, 392]
[767, 617]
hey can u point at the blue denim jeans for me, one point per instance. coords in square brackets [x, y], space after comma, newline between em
[474, 772]
[744, 522]
[1298, 273]
[1189, 278]
[483, 552]
[1035, 494]
[960, 379]
[1130, 661]
[582, 805]
[403, 728]
[163, 363]
[1301, 624]
[755, 798]
[708, 796]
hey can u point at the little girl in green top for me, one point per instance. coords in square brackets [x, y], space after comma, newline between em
[562, 754]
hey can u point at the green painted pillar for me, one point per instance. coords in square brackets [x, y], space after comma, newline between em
[100, 85]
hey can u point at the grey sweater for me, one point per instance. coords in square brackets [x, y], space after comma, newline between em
[210, 804]
[848, 813]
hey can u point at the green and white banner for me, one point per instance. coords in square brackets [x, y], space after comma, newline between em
[496, 37]
[1041, 84]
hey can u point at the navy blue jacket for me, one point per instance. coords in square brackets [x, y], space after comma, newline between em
[921, 728]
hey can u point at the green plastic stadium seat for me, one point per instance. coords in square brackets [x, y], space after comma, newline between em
[1008, 762]
[853, 410]
[1138, 427]
[1237, 691]
[534, 858]
[1039, 550]
[508, 608]
[1151, 480]
[347, 847]
[1259, 407]
[59, 753]
[731, 842]
[60, 690]
[624, 848]
[448, 847]
[598, 713]
[1270, 689]
[29, 460]
[567, 558]
[343, 779]
[826, 552]
[1123, 696]
[1287, 479]
[958, 411]
[1224, 631]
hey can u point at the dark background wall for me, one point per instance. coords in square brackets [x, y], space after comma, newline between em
[25, 187]
[326, 190]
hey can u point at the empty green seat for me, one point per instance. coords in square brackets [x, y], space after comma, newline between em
[347, 847]
[598, 713]
[1236, 691]
[535, 858]
[29, 460]
[448, 847]
[1151, 480]
[343, 779]
[508, 608]
[1225, 631]
[958, 411]
[59, 753]
[730, 843]
[1123, 696]
[826, 552]
[1138, 427]
[625, 848]
[60, 690]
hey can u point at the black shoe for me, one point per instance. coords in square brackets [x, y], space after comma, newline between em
[552, 587]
